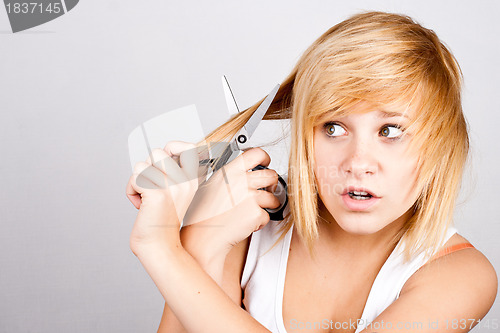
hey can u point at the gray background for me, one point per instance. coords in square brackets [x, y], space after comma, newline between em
[71, 91]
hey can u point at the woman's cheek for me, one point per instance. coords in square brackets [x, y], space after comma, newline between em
[326, 179]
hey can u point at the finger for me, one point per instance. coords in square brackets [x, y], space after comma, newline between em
[136, 186]
[203, 168]
[133, 195]
[273, 188]
[251, 158]
[186, 154]
[262, 220]
[152, 174]
[164, 162]
[175, 148]
[144, 183]
[157, 154]
[204, 152]
[266, 199]
[189, 163]
[262, 178]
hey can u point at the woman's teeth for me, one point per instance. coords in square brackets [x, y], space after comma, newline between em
[359, 195]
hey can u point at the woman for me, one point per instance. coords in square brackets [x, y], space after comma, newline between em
[378, 147]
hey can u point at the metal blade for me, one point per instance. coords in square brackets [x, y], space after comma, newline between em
[257, 116]
[230, 100]
[221, 158]
[229, 153]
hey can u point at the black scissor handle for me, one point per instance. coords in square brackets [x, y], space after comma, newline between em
[276, 214]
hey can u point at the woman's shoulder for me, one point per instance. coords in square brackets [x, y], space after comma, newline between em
[455, 239]
[466, 275]
[456, 257]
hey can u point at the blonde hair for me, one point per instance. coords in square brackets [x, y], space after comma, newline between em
[382, 58]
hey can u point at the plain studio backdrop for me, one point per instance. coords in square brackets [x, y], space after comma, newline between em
[73, 89]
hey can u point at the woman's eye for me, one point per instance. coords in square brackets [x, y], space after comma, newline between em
[333, 129]
[391, 131]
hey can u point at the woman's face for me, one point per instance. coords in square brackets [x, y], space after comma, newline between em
[365, 172]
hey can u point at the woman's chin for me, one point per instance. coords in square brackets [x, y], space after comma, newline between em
[359, 226]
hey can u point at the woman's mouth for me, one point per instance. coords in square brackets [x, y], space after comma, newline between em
[359, 199]
[359, 195]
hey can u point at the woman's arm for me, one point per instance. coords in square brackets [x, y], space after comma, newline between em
[163, 191]
[193, 296]
[450, 294]
[230, 283]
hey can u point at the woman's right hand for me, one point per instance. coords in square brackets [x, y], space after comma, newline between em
[229, 206]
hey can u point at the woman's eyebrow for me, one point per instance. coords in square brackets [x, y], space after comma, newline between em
[389, 114]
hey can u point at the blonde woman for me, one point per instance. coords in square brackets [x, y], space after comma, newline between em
[378, 147]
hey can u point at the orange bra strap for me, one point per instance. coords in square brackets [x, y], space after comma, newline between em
[451, 249]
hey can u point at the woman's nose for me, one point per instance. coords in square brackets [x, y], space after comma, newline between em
[360, 160]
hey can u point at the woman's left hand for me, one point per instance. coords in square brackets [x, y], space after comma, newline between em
[162, 191]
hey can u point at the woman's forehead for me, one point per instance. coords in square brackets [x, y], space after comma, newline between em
[382, 110]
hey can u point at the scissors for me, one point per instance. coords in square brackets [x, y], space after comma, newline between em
[239, 143]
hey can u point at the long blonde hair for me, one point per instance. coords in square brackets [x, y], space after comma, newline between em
[381, 58]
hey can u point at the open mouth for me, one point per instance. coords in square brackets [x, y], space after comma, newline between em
[359, 199]
[359, 195]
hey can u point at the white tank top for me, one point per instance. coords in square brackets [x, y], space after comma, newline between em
[263, 279]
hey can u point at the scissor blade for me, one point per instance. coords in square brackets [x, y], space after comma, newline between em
[257, 116]
[229, 153]
[230, 100]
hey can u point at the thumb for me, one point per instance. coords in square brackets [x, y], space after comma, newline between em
[134, 191]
